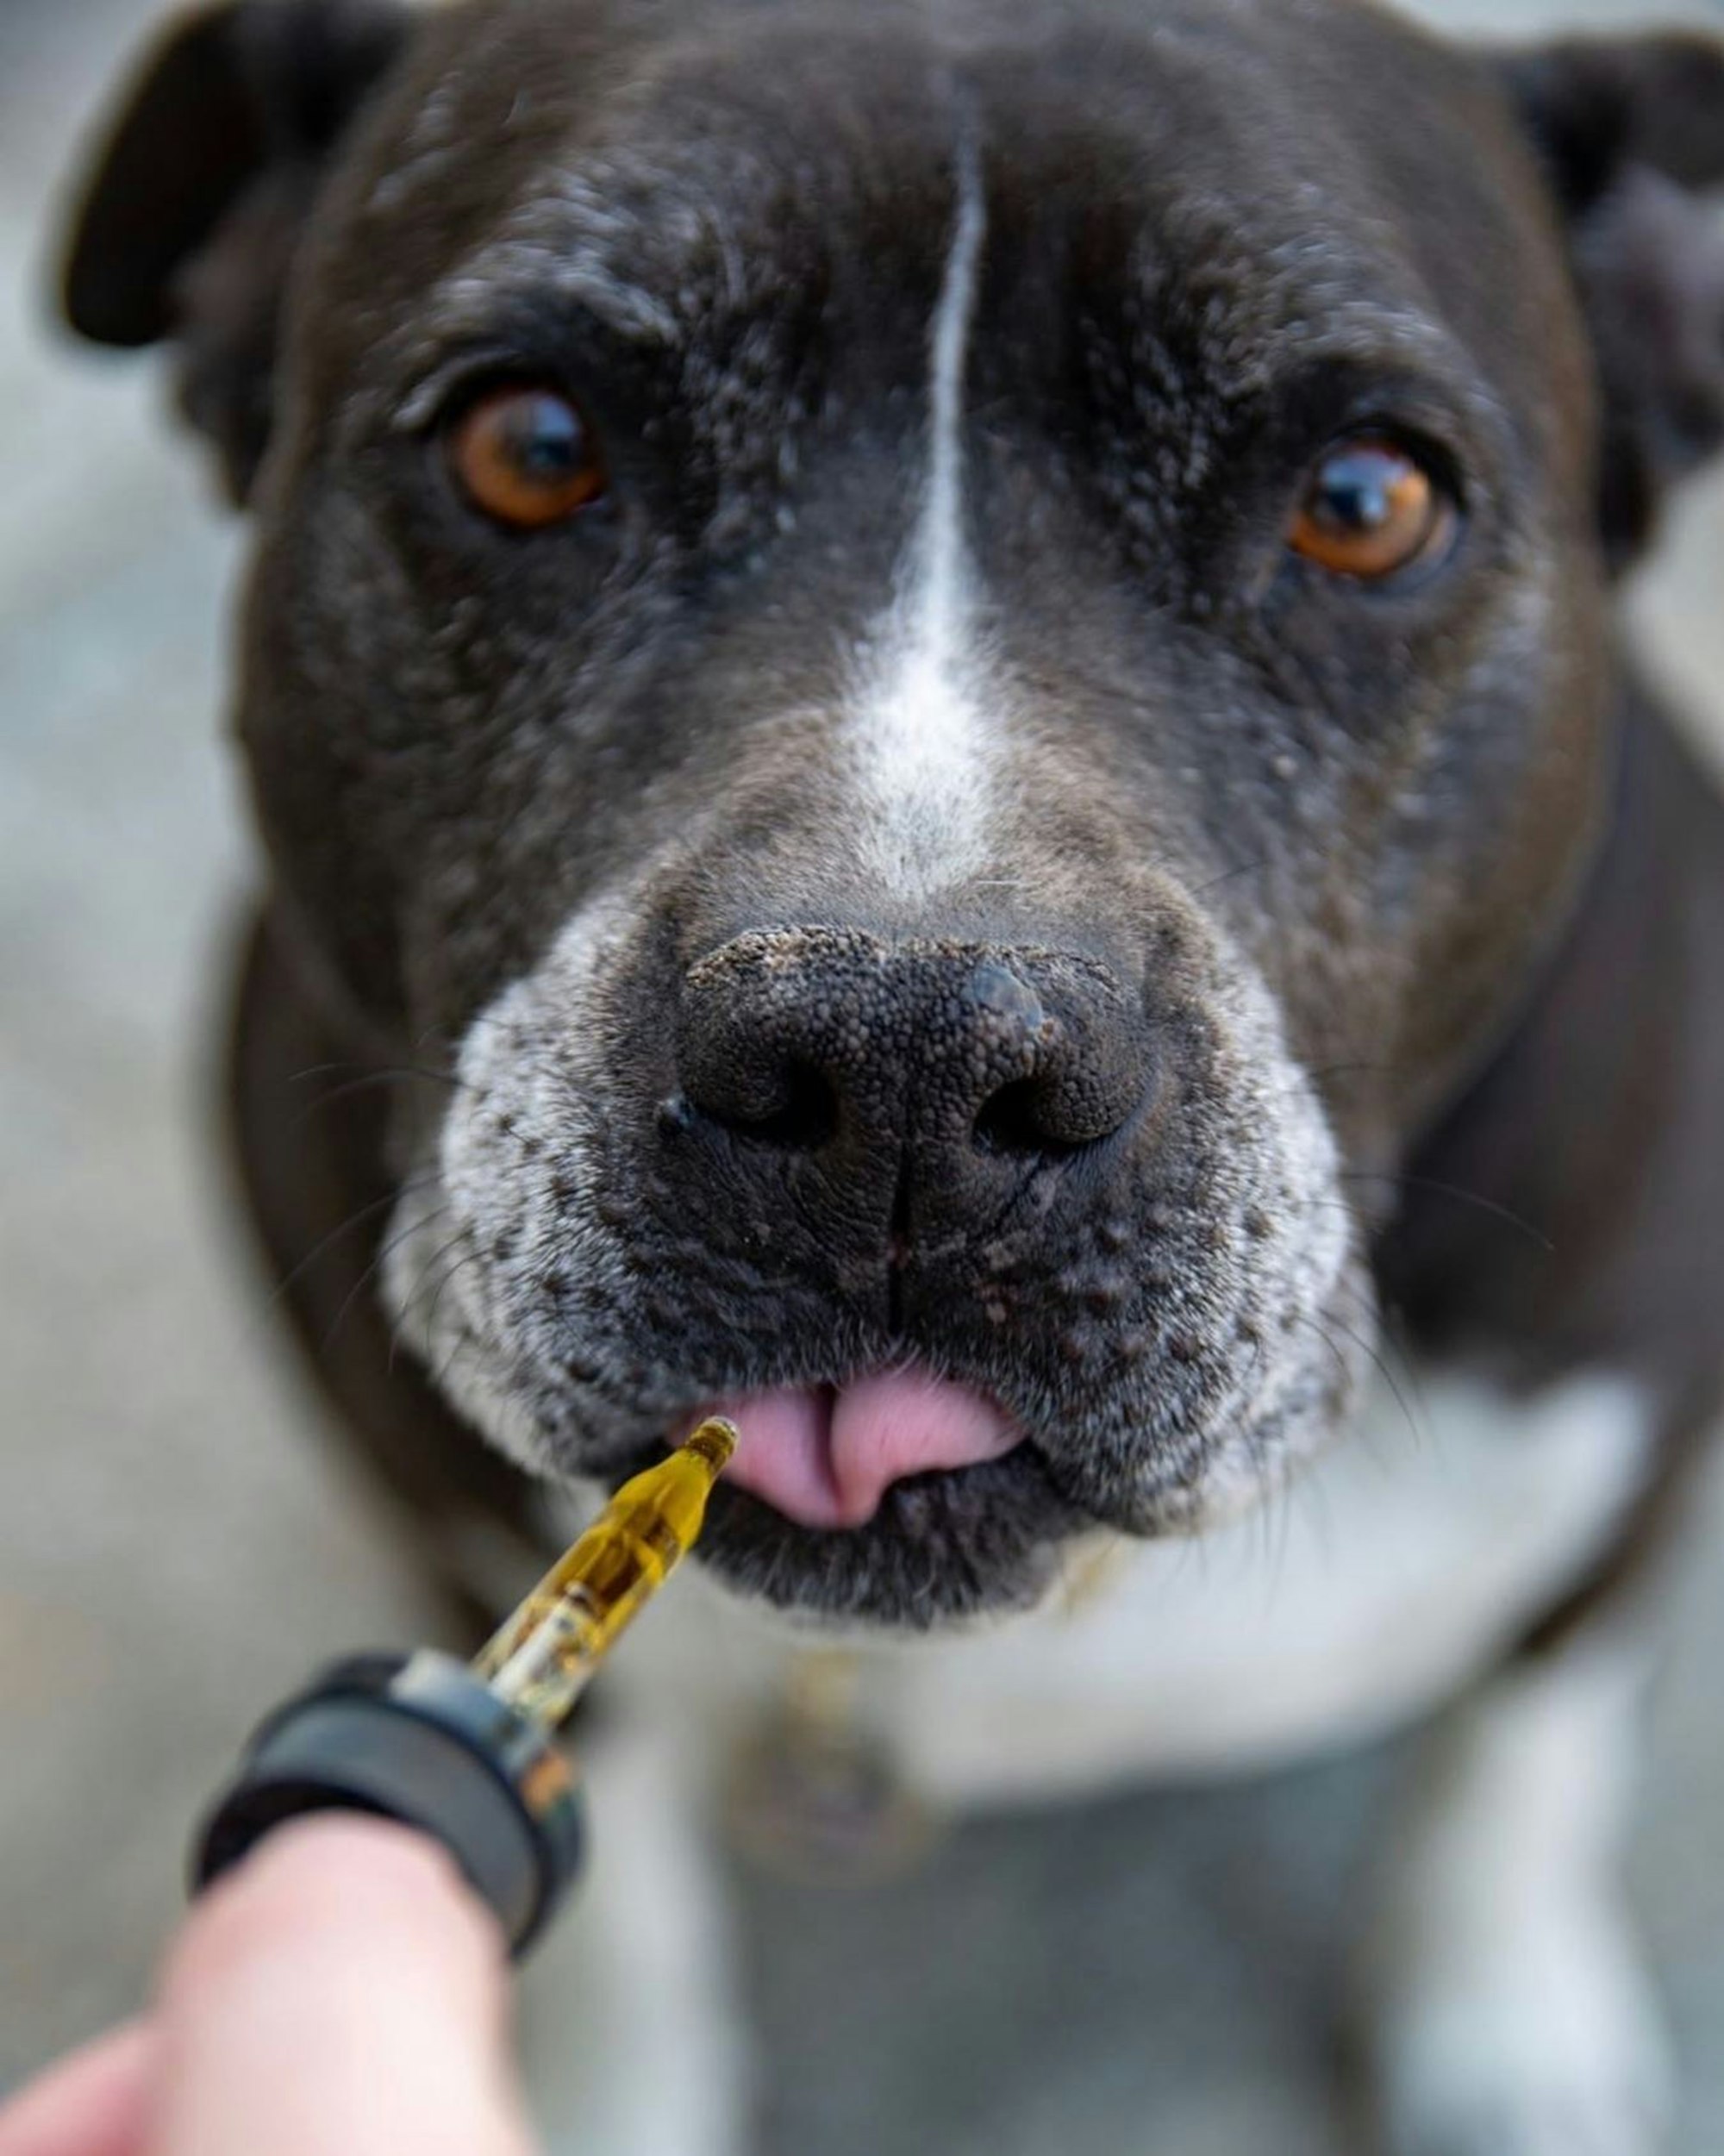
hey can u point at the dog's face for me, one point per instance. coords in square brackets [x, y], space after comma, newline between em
[959, 663]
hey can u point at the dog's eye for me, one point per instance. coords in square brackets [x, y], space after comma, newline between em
[1371, 510]
[524, 456]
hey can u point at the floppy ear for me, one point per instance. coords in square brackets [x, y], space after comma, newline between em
[1631, 131]
[188, 220]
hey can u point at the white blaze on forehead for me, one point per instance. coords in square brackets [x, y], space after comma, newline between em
[920, 709]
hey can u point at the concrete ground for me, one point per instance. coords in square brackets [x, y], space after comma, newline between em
[177, 1545]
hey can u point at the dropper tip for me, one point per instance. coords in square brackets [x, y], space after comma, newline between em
[714, 1442]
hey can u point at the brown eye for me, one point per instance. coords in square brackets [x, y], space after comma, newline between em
[526, 456]
[1371, 509]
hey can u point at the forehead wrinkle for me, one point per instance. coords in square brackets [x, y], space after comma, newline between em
[646, 240]
[1422, 355]
[503, 282]
[1263, 313]
[471, 300]
[582, 235]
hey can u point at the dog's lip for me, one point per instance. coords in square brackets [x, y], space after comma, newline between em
[826, 1455]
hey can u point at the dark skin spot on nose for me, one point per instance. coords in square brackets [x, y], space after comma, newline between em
[997, 989]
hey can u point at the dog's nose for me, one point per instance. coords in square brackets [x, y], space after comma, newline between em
[831, 1042]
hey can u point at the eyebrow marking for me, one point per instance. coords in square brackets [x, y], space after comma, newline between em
[919, 723]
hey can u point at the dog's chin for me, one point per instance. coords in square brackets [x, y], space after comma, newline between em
[981, 1529]
[902, 1494]
[954, 1544]
[984, 1524]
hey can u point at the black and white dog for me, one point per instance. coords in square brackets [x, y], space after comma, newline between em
[937, 684]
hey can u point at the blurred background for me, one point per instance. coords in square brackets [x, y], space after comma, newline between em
[178, 1542]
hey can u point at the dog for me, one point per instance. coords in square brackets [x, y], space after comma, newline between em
[936, 702]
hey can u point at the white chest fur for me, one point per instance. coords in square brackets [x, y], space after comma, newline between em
[1397, 1565]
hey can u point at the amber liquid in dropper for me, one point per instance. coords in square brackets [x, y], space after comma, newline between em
[545, 1655]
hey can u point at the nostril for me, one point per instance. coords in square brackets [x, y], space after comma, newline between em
[1073, 1102]
[799, 1042]
[1014, 1121]
[801, 1115]
[808, 1116]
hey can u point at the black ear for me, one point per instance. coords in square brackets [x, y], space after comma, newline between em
[1632, 133]
[188, 220]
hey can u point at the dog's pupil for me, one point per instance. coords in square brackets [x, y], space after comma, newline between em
[545, 441]
[1359, 490]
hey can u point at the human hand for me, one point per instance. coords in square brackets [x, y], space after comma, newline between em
[342, 1993]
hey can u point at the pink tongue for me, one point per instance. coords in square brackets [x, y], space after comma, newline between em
[827, 1459]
